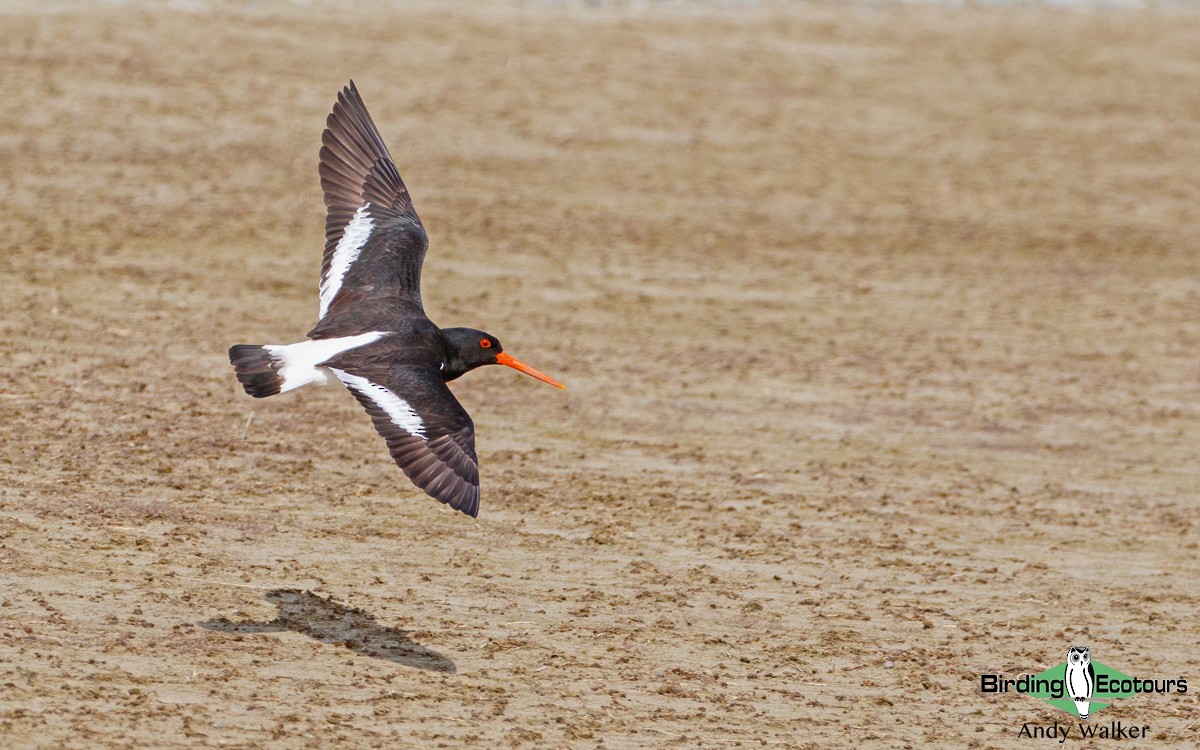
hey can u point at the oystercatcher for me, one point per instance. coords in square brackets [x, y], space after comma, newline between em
[373, 334]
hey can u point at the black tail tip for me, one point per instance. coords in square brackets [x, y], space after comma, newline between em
[257, 370]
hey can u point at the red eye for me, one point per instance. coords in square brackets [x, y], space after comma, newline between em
[485, 344]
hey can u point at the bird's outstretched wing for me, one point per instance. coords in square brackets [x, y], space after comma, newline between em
[374, 241]
[429, 434]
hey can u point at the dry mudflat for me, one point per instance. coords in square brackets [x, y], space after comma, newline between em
[879, 325]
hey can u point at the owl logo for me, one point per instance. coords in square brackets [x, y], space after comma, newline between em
[1080, 678]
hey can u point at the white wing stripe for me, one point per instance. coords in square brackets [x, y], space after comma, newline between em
[354, 236]
[397, 409]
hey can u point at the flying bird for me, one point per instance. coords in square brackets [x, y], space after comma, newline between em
[372, 333]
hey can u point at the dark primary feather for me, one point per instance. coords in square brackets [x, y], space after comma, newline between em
[443, 464]
[356, 169]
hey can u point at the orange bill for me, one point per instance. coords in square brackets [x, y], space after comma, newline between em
[503, 359]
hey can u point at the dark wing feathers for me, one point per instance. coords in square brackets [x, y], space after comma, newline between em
[356, 170]
[383, 189]
[351, 135]
[442, 461]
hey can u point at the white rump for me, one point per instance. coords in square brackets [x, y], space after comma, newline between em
[300, 360]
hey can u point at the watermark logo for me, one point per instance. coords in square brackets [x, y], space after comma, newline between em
[1082, 687]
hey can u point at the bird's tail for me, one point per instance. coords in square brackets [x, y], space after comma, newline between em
[257, 369]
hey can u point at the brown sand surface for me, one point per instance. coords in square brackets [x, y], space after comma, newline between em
[880, 332]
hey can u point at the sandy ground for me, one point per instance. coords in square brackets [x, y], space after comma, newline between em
[879, 328]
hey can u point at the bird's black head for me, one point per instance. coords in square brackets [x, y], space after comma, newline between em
[467, 348]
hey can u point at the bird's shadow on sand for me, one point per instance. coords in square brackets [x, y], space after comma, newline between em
[330, 622]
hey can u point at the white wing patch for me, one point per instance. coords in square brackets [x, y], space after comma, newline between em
[397, 409]
[298, 362]
[354, 236]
